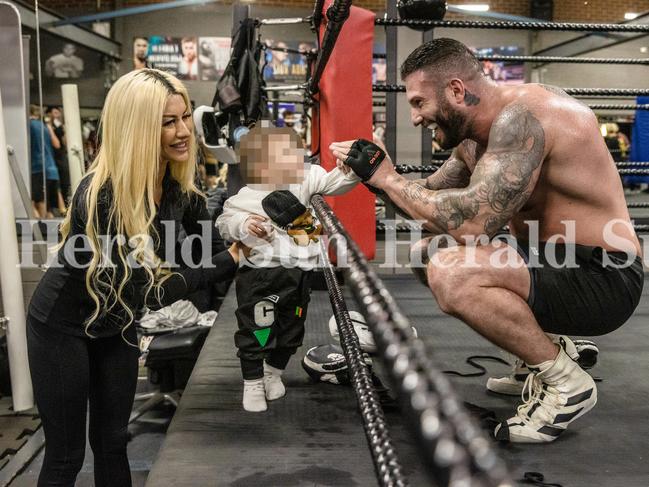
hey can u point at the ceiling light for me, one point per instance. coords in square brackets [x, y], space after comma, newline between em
[477, 7]
[630, 15]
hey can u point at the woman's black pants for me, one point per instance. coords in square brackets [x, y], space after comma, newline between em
[68, 374]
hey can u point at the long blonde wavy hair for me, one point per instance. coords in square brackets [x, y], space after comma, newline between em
[129, 162]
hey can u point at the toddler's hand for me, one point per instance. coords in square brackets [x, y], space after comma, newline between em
[259, 227]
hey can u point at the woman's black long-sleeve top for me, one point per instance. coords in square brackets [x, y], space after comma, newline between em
[61, 299]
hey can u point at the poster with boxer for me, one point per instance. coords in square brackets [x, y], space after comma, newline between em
[508, 73]
[189, 58]
[285, 67]
[213, 57]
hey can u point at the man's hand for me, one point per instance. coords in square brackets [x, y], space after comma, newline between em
[365, 158]
[256, 226]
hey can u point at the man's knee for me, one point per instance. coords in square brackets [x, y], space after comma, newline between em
[449, 282]
[419, 259]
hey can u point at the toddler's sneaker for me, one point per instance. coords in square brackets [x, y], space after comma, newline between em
[254, 396]
[273, 382]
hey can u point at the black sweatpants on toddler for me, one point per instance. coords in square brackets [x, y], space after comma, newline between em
[272, 310]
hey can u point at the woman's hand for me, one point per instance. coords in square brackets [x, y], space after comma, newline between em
[237, 249]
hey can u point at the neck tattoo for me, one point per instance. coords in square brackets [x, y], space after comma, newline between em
[471, 99]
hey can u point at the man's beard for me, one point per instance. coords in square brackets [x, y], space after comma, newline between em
[451, 123]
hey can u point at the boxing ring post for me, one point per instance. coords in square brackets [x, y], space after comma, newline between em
[73, 134]
[12, 286]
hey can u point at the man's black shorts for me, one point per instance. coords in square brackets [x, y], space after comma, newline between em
[594, 295]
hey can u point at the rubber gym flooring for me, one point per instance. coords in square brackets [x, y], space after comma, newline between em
[314, 436]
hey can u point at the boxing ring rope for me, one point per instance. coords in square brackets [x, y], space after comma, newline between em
[588, 92]
[552, 26]
[452, 446]
[562, 59]
[631, 164]
[592, 106]
[389, 471]
[410, 168]
[618, 107]
[585, 92]
[550, 59]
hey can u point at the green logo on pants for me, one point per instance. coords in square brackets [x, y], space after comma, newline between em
[262, 336]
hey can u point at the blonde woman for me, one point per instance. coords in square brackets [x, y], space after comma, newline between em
[81, 335]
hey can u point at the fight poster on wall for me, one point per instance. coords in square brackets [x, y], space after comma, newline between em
[508, 73]
[286, 67]
[188, 58]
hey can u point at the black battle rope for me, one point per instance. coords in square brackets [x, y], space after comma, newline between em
[451, 444]
[559, 26]
[337, 14]
[472, 361]
[389, 471]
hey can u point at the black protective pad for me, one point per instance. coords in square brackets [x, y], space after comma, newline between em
[314, 436]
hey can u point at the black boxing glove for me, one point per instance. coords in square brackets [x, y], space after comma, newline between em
[364, 158]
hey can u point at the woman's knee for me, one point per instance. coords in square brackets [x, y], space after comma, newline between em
[104, 440]
[61, 464]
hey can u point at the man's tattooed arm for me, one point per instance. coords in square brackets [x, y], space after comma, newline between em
[501, 183]
[454, 173]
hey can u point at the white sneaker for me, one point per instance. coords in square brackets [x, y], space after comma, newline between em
[588, 353]
[512, 384]
[254, 396]
[273, 382]
[555, 394]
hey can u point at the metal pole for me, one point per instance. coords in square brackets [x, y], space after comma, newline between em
[12, 286]
[73, 134]
[426, 135]
[391, 46]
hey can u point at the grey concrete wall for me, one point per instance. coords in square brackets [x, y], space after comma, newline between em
[597, 75]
